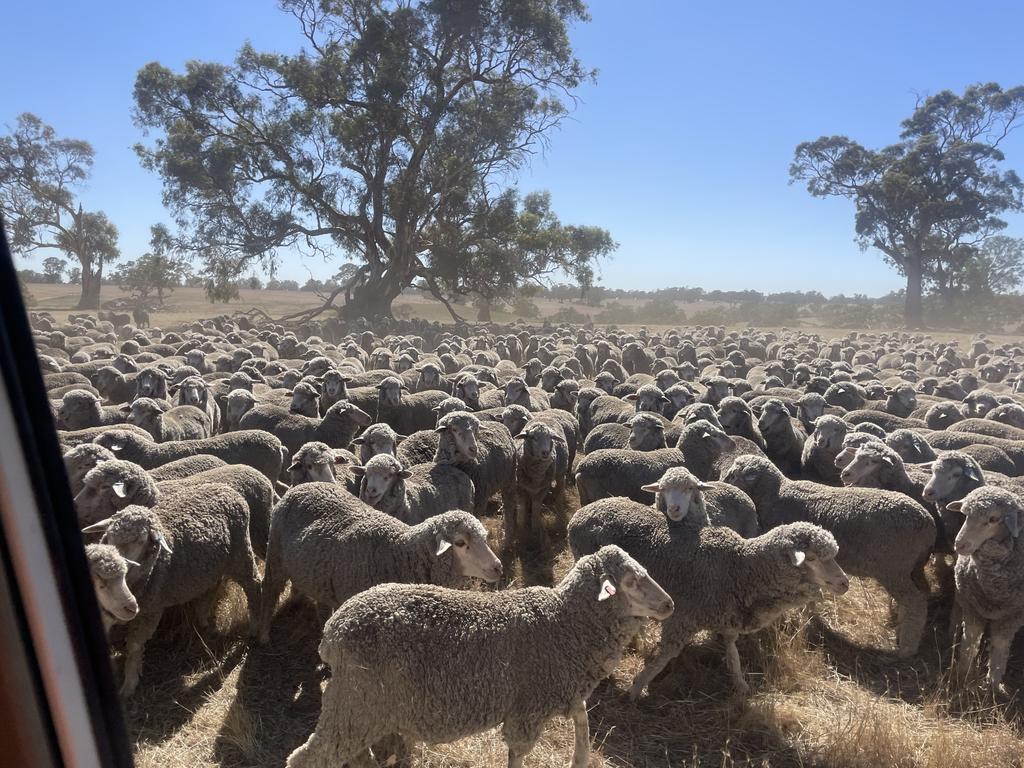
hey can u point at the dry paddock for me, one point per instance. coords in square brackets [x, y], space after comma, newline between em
[826, 692]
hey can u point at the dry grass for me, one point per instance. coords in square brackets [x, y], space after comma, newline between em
[826, 693]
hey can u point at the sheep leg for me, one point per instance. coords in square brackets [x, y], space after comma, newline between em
[248, 578]
[668, 650]
[341, 736]
[137, 635]
[913, 612]
[974, 626]
[520, 737]
[536, 515]
[273, 586]
[1000, 638]
[732, 662]
[581, 723]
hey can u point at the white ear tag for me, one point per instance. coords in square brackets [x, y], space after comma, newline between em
[607, 590]
[443, 546]
[797, 557]
[118, 489]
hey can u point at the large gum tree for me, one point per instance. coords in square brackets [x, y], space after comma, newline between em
[392, 140]
[930, 201]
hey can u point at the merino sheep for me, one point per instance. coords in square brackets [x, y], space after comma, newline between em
[337, 428]
[484, 451]
[80, 409]
[535, 653]
[79, 460]
[413, 494]
[377, 439]
[718, 580]
[255, 448]
[109, 571]
[542, 461]
[737, 419]
[186, 467]
[184, 546]
[990, 575]
[624, 472]
[331, 546]
[783, 438]
[183, 422]
[194, 391]
[111, 486]
[818, 460]
[881, 534]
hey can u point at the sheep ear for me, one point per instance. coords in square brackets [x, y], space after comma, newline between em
[341, 460]
[607, 590]
[1012, 521]
[520, 436]
[97, 527]
[132, 562]
[705, 487]
[440, 429]
[630, 397]
[972, 474]
[405, 474]
[357, 470]
[650, 488]
[399, 438]
[443, 546]
[927, 466]
[119, 491]
[706, 435]
[955, 506]
[116, 447]
[797, 557]
[163, 543]
[887, 460]
[358, 441]
[293, 467]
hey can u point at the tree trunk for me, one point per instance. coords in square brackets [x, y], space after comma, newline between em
[372, 300]
[913, 309]
[483, 311]
[90, 298]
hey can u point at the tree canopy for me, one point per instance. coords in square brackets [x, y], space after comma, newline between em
[39, 176]
[390, 140]
[158, 271]
[930, 201]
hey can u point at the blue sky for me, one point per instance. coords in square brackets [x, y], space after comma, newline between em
[680, 149]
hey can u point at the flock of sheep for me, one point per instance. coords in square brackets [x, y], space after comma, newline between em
[723, 479]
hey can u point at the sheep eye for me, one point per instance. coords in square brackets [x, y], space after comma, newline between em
[460, 543]
[993, 520]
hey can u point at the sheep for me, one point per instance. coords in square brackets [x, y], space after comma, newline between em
[237, 403]
[941, 415]
[989, 575]
[881, 534]
[887, 421]
[377, 439]
[80, 409]
[717, 389]
[818, 460]
[978, 403]
[183, 422]
[151, 382]
[317, 462]
[1011, 414]
[73, 438]
[114, 386]
[79, 460]
[331, 546]
[911, 446]
[184, 546]
[876, 465]
[407, 413]
[784, 440]
[846, 394]
[542, 461]
[413, 494]
[255, 448]
[194, 391]
[484, 451]
[988, 427]
[947, 440]
[109, 570]
[736, 418]
[111, 486]
[305, 400]
[186, 467]
[535, 653]
[624, 472]
[718, 580]
[337, 428]
[644, 432]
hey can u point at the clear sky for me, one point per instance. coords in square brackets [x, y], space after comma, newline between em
[681, 148]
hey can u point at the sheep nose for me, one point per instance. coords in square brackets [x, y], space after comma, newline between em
[928, 495]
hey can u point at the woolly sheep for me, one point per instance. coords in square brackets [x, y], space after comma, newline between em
[186, 467]
[531, 658]
[183, 422]
[331, 546]
[484, 451]
[407, 413]
[990, 575]
[80, 409]
[377, 439]
[718, 580]
[337, 428]
[542, 461]
[79, 460]
[784, 439]
[237, 403]
[881, 534]
[736, 418]
[109, 570]
[111, 486]
[413, 494]
[184, 546]
[818, 460]
[624, 472]
[255, 448]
